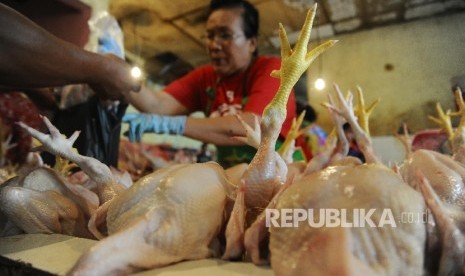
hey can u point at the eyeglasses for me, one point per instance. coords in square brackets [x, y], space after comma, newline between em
[222, 37]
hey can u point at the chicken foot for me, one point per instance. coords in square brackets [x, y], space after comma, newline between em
[55, 143]
[345, 108]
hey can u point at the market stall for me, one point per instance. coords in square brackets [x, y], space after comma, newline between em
[373, 199]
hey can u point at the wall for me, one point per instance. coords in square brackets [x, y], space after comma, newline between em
[97, 5]
[424, 54]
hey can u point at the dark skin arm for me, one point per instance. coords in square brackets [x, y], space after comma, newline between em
[31, 57]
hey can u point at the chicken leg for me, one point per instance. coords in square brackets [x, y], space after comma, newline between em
[261, 178]
[58, 145]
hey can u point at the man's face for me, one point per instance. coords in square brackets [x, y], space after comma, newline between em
[228, 48]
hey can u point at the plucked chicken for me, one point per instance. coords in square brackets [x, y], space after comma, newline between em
[268, 171]
[163, 218]
[47, 200]
[441, 179]
[347, 219]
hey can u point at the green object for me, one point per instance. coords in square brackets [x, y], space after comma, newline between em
[229, 156]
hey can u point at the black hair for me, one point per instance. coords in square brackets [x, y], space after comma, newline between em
[250, 16]
[346, 126]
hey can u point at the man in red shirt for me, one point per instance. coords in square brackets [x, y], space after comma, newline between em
[237, 81]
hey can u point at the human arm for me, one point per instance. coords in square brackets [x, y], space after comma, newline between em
[32, 57]
[156, 102]
[217, 130]
[185, 96]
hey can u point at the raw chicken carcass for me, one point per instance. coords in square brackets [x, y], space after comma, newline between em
[371, 236]
[55, 143]
[445, 173]
[441, 179]
[43, 200]
[390, 249]
[163, 218]
[268, 171]
[157, 221]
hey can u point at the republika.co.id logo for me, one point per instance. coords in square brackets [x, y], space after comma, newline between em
[339, 217]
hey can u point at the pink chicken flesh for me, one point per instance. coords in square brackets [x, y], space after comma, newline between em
[163, 218]
[389, 249]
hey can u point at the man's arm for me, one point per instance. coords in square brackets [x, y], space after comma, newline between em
[32, 57]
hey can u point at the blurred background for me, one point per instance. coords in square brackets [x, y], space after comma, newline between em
[404, 53]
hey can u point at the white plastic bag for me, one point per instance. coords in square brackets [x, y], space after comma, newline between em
[106, 35]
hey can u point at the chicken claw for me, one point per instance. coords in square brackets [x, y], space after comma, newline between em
[57, 144]
[253, 135]
[444, 121]
[362, 112]
[461, 107]
[344, 107]
[294, 63]
[458, 140]
[406, 140]
[54, 142]
[287, 148]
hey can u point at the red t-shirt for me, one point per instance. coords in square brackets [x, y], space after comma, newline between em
[252, 91]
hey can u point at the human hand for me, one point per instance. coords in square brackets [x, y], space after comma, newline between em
[140, 123]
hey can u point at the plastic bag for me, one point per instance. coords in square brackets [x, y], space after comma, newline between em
[100, 127]
[79, 109]
[106, 35]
